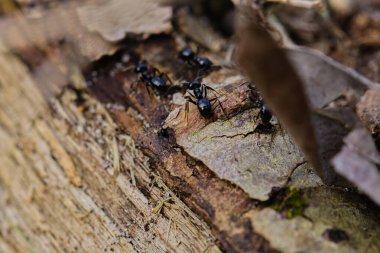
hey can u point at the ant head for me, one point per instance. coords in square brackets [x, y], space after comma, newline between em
[194, 85]
[186, 54]
[141, 67]
[203, 63]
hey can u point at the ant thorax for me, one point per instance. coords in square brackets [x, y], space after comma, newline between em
[146, 76]
[198, 93]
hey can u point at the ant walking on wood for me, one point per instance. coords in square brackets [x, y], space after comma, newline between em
[152, 77]
[264, 116]
[265, 126]
[198, 97]
[190, 57]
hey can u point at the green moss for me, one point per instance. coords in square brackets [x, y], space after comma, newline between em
[292, 204]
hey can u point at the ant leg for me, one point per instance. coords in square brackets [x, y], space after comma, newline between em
[199, 76]
[193, 96]
[212, 89]
[147, 89]
[164, 75]
[156, 72]
[220, 104]
[205, 87]
[204, 90]
[188, 99]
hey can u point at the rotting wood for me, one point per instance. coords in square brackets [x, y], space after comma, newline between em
[220, 203]
[43, 210]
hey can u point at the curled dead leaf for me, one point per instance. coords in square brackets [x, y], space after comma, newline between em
[324, 79]
[358, 162]
[298, 83]
[114, 18]
[268, 67]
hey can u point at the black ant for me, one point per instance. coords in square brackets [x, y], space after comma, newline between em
[265, 126]
[153, 77]
[190, 57]
[265, 115]
[199, 93]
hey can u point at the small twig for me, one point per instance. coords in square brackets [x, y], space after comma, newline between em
[115, 157]
[158, 207]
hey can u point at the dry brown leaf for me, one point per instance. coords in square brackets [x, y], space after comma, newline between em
[331, 126]
[358, 162]
[328, 83]
[324, 79]
[268, 67]
[74, 23]
[81, 46]
[197, 27]
[293, 79]
[61, 22]
[21, 33]
[114, 18]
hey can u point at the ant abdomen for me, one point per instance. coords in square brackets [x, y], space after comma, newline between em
[204, 107]
[265, 114]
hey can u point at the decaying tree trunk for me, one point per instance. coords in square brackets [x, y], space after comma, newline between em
[69, 182]
[72, 180]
